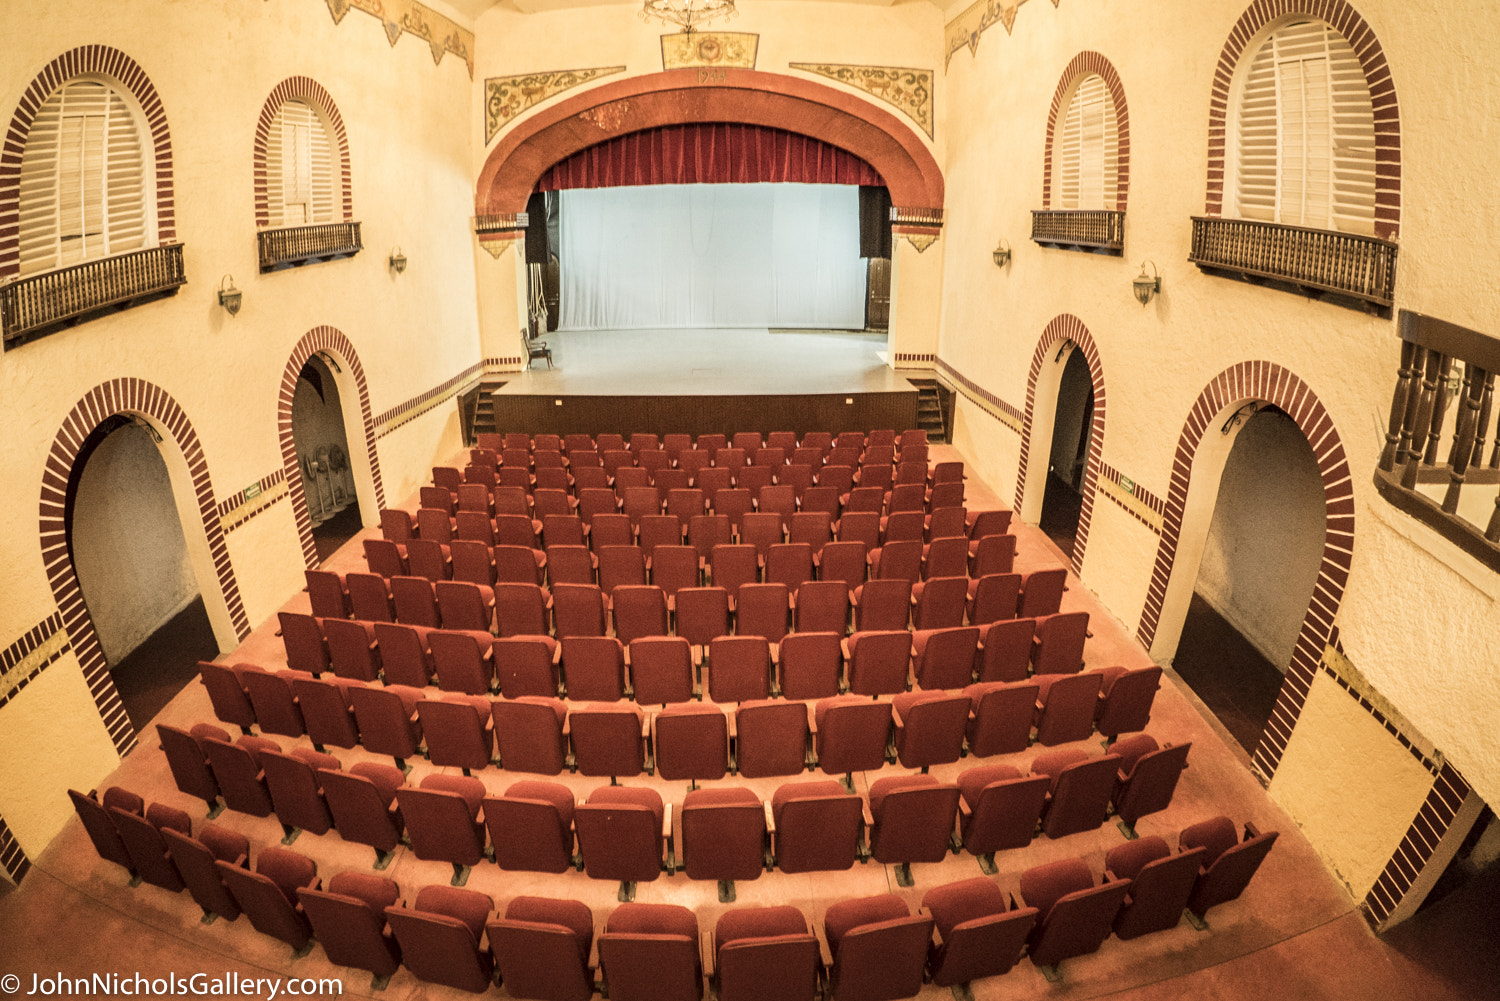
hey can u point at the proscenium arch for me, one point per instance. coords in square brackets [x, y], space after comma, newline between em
[1066, 327]
[677, 97]
[1270, 383]
[188, 470]
[370, 489]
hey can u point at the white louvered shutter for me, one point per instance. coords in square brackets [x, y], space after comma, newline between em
[83, 191]
[1305, 133]
[1087, 157]
[300, 184]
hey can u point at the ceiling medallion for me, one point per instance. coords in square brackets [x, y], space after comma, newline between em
[690, 14]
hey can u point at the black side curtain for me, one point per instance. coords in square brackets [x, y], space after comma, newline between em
[537, 247]
[874, 221]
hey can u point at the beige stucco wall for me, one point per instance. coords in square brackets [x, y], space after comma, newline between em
[1349, 785]
[213, 64]
[1414, 622]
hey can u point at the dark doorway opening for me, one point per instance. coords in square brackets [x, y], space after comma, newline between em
[1062, 499]
[323, 456]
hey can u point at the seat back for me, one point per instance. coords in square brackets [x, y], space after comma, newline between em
[771, 738]
[295, 789]
[1006, 653]
[994, 598]
[264, 901]
[1159, 888]
[931, 730]
[442, 822]
[189, 765]
[646, 967]
[691, 742]
[275, 704]
[882, 604]
[237, 769]
[1042, 592]
[404, 654]
[570, 563]
[350, 928]
[944, 657]
[789, 563]
[577, 610]
[1002, 716]
[326, 712]
[913, 823]
[733, 566]
[620, 837]
[763, 611]
[940, 603]
[541, 960]
[593, 667]
[1226, 877]
[363, 809]
[101, 830]
[351, 647]
[899, 560]
[531, 827]
[843, 561]
[1127, 699]
[878, 661]
[883, 959]
[1058, 646]
[811, 664]
[442, 948]
[227, 694]
[817, 826]
[607, 740]
[674, 568]
[459, 731]
[640, 610]
[996, 554]
[947, 557]
[1078, 923]
[1152, 782]
[416, 604]
[852, 734]
[1068, 704]
[302, 635]
[529, 734]
[739, 668]
[984, 946]
[772, 968]
[1080, 796]
[1005, 813]
[461, 662]
[527, 664]
[723, 834]
[147, 849]
[195, 858]
[661, 669]
[702, 614]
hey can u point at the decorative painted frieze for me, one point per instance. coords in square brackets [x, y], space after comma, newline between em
[505, 97]
[709, 48]
[408, 17]
[907, 90]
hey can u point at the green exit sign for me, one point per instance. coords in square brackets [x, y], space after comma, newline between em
[252, 491]
[1127, 485]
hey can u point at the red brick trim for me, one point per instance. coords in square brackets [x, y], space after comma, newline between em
[1085, 64]
[1347, 22]
[315, 340]
[1263, 380]
[1067, 327]
[298, 88]
[14, 656]
[676, 97]
[11, 856]
[86, 60]
[1416, 849]
[135, 396]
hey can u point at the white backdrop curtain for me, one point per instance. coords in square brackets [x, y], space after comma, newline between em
[712, 255]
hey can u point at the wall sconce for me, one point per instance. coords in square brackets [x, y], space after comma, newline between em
[328, 360]
[1145, 285]
[229, 296]
[1001, 254]
[398, 260]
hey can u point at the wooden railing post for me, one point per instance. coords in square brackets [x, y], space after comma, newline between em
[1435, 363]
[1463, 435]
[1405, 378]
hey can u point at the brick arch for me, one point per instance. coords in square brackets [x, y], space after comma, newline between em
[1270, 383]
[86, 60]
[317, 339]
[135, 396]
[1067, 327]
[1348, 22]
[299, 88]
[1085, 64]
[676, 97]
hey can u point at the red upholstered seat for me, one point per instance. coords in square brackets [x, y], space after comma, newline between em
[879, 948]
[978, 936]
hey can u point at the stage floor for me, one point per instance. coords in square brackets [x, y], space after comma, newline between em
[710, 361]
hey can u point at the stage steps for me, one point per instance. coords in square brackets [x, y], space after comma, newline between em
[932, 409]
[478, 409]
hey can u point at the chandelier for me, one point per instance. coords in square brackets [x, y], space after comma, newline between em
[688, 13]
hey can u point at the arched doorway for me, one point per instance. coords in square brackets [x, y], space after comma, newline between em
[1062, 498]
[323, 456]
[1255, 578]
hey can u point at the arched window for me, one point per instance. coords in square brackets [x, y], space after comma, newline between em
[1303, 139]
[301, 184]
[1087, 158]
[86, 186]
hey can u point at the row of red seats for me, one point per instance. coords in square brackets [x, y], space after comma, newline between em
[675, 443]
[542, 947]
[627, 833]
[541, 733]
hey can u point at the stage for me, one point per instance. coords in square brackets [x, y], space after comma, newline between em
[699, 379]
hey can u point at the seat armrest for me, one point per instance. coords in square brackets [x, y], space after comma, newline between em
[869, 817]
[770, 816]
[1251, 831]
[706, 953]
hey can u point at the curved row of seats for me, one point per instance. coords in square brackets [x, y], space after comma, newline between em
[723, 833]
[545, 948]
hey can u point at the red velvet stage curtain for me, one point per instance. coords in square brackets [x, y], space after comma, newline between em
[708, 153]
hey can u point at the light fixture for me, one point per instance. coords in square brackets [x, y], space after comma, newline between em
[688, 13]
[327, 359]
[1245, 412]
[398, 260]
[1001, 254]
[1145, 285]
[229, 296]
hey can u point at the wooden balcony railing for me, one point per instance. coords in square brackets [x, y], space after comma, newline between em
[1082, 229]
[1312, 261]
[1459, 493]
[297, 245]
[41, 304]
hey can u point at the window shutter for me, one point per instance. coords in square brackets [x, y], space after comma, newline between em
[1306, 133]
[83, 191]
[1087, 160]
[301, 188]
